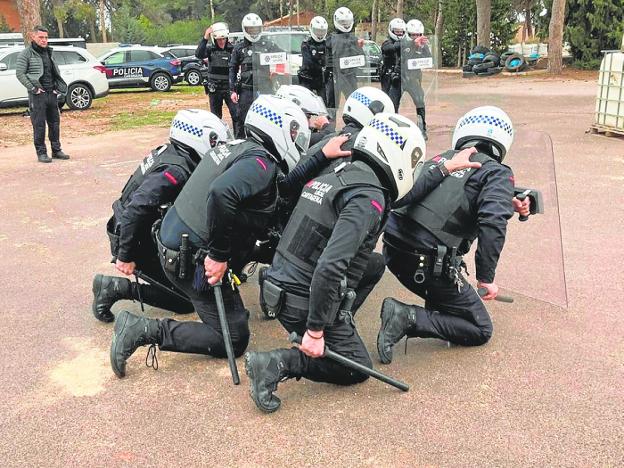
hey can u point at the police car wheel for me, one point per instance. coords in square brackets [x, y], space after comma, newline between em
[160, 82]
[79, 97]
[192, 77]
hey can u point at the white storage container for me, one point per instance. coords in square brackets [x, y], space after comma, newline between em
[610, 98]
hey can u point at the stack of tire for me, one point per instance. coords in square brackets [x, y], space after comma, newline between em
[482, 62]
[513, 62]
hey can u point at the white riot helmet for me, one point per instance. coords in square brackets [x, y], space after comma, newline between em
[220, 31]
[364, 103]
[343, 19]
[396, 29]
[280, 126]
[485, 125]
[310, 103]
[252, 27]
[318, 28]
[391, 144]
[415, 27]
[199, 130]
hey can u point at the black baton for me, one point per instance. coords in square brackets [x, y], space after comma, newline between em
[227, 339]
[184, 256]
[161, 286]
[328, 353]
[508, 299]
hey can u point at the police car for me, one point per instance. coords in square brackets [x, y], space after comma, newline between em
[139, 66]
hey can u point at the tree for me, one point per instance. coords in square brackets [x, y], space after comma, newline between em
[30, 16]
[4, 25]
[484, 18]
[555, 37]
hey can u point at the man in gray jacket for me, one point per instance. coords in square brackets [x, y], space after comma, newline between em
[39, 74]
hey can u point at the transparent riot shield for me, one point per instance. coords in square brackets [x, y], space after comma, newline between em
[350, 68]
[417, 80]
[531, 263]
[272, 55]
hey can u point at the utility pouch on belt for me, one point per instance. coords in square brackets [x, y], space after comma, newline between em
[112, 230]
[274, 297]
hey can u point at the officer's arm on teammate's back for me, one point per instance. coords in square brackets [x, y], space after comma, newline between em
[360, 216]
[159, 187]
[494, 210]
[251, 176]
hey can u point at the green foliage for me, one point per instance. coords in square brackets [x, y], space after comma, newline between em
[4, 26]
[592, 26]
[127, 28]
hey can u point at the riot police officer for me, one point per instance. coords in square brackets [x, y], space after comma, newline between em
[254, 76]
[228, 201]
[341, 78]
[391, 69]
[157, 181]
[424, 241]
[324, 250]
[313, 57]
[216, 47]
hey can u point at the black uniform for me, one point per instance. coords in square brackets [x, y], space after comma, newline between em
[254, 77]
[158, 180]
[217, 85]
[312, 65]
[340, 81]
[469, 204]
[391, 68]
[325, 248]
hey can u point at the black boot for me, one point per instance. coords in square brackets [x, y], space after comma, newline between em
[59, 155]
[131, 331]
[265, 371]
[396, 319]
[44, 158]
[106, 291]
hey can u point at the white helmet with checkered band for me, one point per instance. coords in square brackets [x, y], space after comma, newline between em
[486, 126]
[394, 146]
[364, 103]
[309, 102]
[199, 130]
[280, 126]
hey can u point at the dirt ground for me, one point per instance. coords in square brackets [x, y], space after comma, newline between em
[545, 391]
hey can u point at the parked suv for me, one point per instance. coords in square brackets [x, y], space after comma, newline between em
[193, 69]
[139, 66]
[83, 73]
[372, 69]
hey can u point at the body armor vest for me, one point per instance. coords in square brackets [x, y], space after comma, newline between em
[313, 69]
[446, 211]
[165, 155]
[252, 73]
[192, 202]
[218, 65]
[315, 215]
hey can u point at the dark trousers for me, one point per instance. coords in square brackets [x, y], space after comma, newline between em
[217, 98]
[245, 98]
[44, 109]
[341, 336]
[456, 316]
[314, 84]
[206, 337]
[335, 87]
[395, 91]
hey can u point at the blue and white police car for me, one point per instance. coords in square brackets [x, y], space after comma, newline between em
[140, 66]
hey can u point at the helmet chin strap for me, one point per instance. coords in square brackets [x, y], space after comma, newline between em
[485, 147]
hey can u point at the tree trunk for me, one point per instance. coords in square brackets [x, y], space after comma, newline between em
[439, 28]
[30, 16]
[212, 13]
[290, 13]
[527, 20]
[59, 23]
[93, 34]
[102, 13]
[281, 8]
[298, 24]
[555, 37]
[484, 17]
[374, 21]
[399, 9]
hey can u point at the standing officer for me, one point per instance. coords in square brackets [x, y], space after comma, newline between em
[340, 77]
[39, 74]
[255, 78]
[218, 53]
[313, 57]
[157, 181]
[228, 201]
[415, 46]
[324, 250]
[424, 242]
[391, 51]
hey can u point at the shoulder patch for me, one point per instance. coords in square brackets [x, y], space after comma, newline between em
[262, 163]
[377, 206]
[170, 178]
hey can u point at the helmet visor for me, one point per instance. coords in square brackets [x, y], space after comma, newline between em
[345, 23]
[299, 137]
[253, 31]
[319, 33]
[398, 32]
